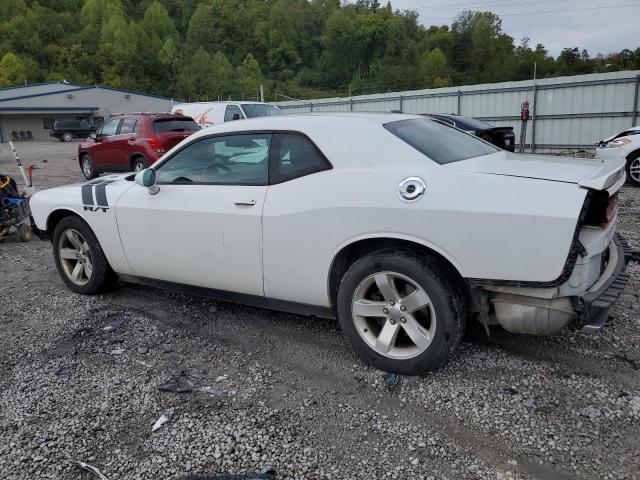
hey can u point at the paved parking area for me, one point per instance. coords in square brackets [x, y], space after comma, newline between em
[79, 377]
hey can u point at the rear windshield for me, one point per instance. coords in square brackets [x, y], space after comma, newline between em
[260, 110]
[439, 142]
[175, 125]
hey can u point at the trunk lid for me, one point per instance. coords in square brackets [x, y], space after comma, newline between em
[171, 139]
[586, 172]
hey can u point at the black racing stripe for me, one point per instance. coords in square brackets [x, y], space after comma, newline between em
[87, 194]
[101, 194]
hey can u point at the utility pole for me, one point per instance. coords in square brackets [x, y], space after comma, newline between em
[262, 93]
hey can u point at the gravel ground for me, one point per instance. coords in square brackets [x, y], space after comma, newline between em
[79, 377]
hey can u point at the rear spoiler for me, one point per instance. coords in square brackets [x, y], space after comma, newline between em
[610, 176]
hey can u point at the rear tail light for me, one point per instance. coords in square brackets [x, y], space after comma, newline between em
[602, 209]
[156, 145]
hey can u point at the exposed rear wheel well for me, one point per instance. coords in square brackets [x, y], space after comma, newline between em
[349, 254]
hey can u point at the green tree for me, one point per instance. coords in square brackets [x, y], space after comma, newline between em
[205, 76]
[12, 70]
[434, 69]
[248, 75]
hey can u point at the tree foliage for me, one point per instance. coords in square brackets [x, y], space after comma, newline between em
[300, 48]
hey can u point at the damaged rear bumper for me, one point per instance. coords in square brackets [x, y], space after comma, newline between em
[596, 302]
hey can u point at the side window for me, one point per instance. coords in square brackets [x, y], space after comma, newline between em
[110, 128]
[128, 126]
[227, 160]
[232, 112]
[293, 156]
[47, 123]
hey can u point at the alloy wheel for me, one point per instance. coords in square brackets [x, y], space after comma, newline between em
[394, 315]
[87, 168]
[138, 167]
[634, 169]
[67, 137]
[75, 257]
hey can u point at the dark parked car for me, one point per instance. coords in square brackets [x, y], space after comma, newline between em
[502, 137]
[132, 142]
[67, 130]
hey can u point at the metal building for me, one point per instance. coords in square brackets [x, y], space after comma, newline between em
[571, 112]
[27, 112]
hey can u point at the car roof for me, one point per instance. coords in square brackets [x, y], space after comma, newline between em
[155, 116]
[305, 122]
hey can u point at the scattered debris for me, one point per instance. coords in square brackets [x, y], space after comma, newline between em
[117, 351]
[113, 325]
[90, 468]
[179, 384]
[143, 350]
[62, 371]
[392, 380]
[633, 363]
[161, 421]
[529, 403]
[221, 378]
[266, 473]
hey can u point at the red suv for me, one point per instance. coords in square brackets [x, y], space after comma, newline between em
[132, 142]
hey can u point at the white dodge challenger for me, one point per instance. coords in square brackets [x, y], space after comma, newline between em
[399, 226]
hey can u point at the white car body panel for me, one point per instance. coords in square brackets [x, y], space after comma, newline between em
[195, 234]
[498, 217]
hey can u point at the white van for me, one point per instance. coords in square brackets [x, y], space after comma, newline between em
[213, 113]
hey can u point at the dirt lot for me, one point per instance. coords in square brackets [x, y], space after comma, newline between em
[79, 377]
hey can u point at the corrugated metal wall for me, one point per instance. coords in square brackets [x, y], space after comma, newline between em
[570, 112]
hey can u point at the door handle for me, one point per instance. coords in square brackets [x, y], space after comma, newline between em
[248, 203]
[131, 139]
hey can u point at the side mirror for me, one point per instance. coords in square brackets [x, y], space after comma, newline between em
[93, 135]
[236, 116]
[147, 178]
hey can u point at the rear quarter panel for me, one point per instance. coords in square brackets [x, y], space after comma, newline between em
[487, 226]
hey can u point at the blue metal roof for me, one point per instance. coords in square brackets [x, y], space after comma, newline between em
[68, 90]
[46, 109]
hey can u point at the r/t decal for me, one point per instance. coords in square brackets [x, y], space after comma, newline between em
[99, 188]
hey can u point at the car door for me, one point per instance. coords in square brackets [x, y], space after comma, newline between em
[102, 153]
[203, 227]
[123, 143]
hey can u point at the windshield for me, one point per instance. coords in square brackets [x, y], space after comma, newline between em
[439, 142]
[175, 125]
[260, 110]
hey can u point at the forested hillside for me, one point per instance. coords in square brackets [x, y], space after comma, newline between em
[300, 48]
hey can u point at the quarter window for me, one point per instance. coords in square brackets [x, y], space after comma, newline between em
[231, 111]
[110, 128]
[293, 156]
[226, 160]
[47, 123]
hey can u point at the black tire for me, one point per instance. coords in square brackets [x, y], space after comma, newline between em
[436, 279]
[139, 163]
[634, 158]
[24, 232]
[93, 173]
[67, 137]
[103, 278]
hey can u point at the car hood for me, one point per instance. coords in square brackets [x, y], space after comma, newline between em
[586, 172]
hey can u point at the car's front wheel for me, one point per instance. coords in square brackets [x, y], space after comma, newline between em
[88, 168]
[79, 258]
[401, 311]
[67, 137]
[633, 169]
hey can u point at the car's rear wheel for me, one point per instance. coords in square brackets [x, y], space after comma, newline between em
[79, 258]
[138, 164]
[67, 137]
[633, 169]
[88, 168]
[401, 311]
